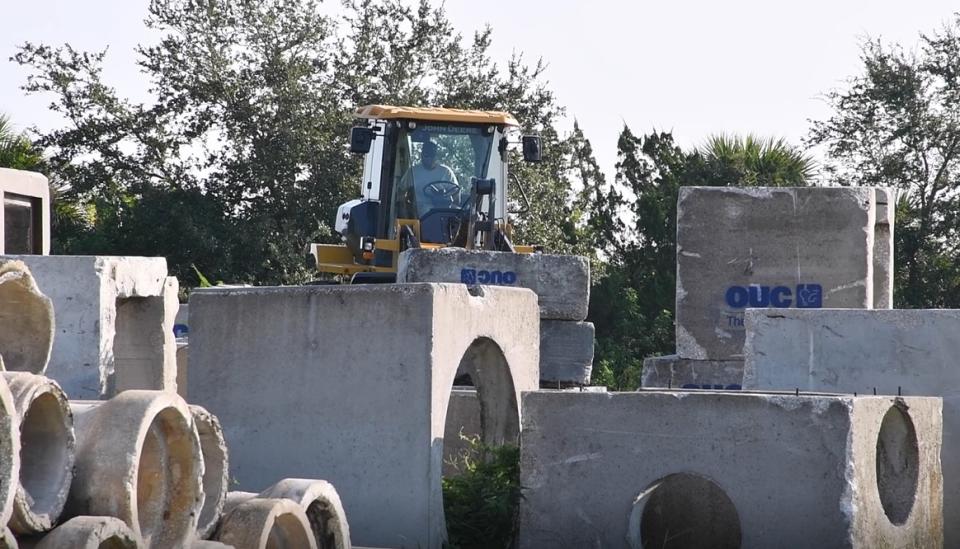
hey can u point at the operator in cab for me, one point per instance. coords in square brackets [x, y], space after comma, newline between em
[433, 184]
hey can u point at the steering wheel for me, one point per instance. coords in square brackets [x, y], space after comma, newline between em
[441, 189]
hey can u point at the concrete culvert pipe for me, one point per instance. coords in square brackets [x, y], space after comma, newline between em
[320, 501]
[26, 320]
[46, 452]
[139, 459]
[233, 499]
[9, 452]
[209, 544]
[267, 524]
[7, 540]
[90, 533]
[215, 469]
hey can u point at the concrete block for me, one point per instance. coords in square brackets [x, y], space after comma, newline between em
[376, 363]
[671, 371]
[267, 523]
[561, 282]
[890, 351]
[90, 533]
[47, 452]
[321, 503]
[778, 247]
[883, 270]
[24, 212]
[729, 469]
[9, 452]
[139, 459]
[114, 327]
[216, 469]
[463, 420]
[26, 320]
[566, 352]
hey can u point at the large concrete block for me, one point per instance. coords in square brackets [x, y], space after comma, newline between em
[353, 384]
[561, 282]
[114, 322]
[566, 352]
[706, 469]
[887, 351]
[24, 212]
[773, 247]
[671, 371]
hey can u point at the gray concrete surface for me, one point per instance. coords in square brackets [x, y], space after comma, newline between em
[114, 323]
[26, 320]
[353, 383]
[566, 352]
[562, 282]
[911, 351]
[671, 371]
[729, 469]
[321, 503]
[9, 452]
[463, 420]
[91, 533]
[216, 469]
[267, 524]
[883, 268]
[779, 247]
[24, 212]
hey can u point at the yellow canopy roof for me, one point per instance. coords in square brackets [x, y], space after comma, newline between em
[436, 114]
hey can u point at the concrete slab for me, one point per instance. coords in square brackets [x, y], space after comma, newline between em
[777, 247]
[353, 383]
[890, 351]
[729, 469]
[114, 322]
[562, 282]
[673, 372]
[566, 352]
[24, 212]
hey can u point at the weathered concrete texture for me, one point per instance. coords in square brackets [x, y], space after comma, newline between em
[216, 469]
[561, 282]
[114, 329]
[24, 212]
[769, 247]
[26, 320]
[182, 356]
[209, 544]
[8, 540]
[235, 498]
[47, 452]
[566, 352]
[9, 452]
[139, 459]
[267, 523]
[729, 469]
[91, 533]
[886, 204]
[320, 501]
[910, 351]
[463, 421]
[374, 366]
[671, 371]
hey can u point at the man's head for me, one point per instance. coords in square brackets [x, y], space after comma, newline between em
[428, 155]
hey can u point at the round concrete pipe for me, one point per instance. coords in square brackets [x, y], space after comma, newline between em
[139, 459]
[9, 452]
[26, 320]
[90, 533]
[215, 469]
[321, 503]
[46, 452]
[233, 499]
[267, 524]
[7, 540]
[209, 544]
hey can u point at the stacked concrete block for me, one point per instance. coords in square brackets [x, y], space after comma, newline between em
[913, 352]
[24, 213]
[729, 469]
[769, 247]
[562, 285]
[115, 320]
[26, 320]
[377, 364]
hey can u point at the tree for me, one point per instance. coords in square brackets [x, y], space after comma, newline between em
[16, 150]
[755, 161]
[897, 124]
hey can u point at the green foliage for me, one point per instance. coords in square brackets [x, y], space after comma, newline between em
[897, 124]
[481, 502]
[16, 151]
[754, 161]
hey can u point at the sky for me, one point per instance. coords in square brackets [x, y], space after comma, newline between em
[695, 68]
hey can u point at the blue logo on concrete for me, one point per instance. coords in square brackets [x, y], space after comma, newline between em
[808, 296]
[480, 276]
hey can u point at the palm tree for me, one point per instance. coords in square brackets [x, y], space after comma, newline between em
[16, 151]
[754, 161]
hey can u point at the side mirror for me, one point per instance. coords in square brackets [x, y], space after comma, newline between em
[361, 139]
[532, 148]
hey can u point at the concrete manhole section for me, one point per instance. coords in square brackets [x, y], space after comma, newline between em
[898, 460]
[684, 510]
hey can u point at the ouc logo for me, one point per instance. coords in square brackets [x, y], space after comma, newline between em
[475, 276]
[808, 296]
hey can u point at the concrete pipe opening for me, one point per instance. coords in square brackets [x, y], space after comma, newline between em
[215, 469]
[898, 464]
[321, 502]
[26, 320]
[267, 524]
[684, 510]
[47, 448]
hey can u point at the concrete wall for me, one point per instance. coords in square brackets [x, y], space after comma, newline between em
[566, 352]
[888, 351]
[353, 384]
[674, 372]
[31, 187]
[114, 323]
[729, 470]
[777, 247]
